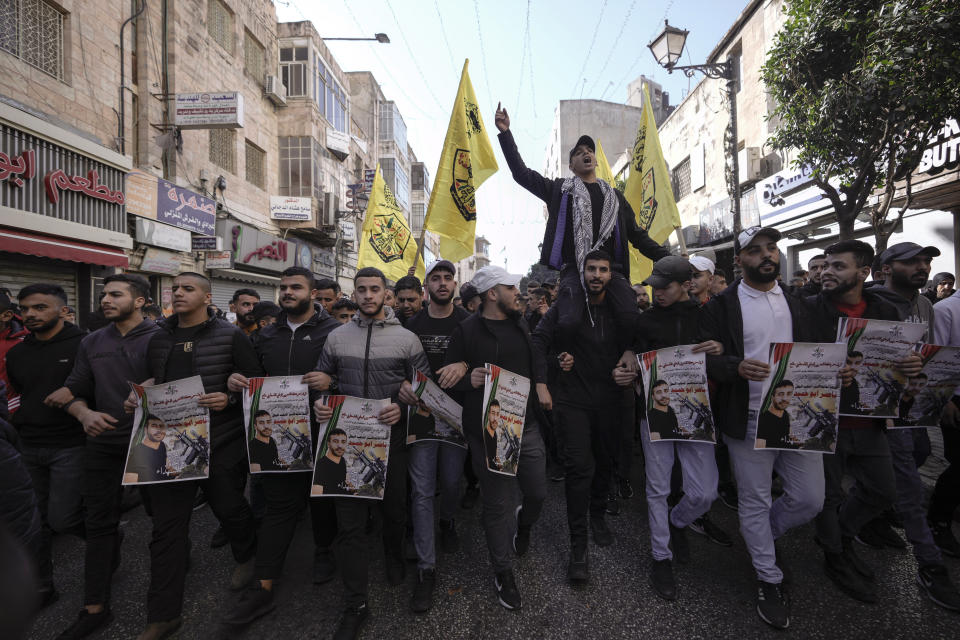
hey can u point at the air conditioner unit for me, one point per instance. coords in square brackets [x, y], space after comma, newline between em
[275, 90]
[748, 159]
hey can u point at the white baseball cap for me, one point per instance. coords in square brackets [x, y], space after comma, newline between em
[702, 263]
[490, 276]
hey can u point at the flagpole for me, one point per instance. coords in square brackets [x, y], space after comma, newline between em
[683, 245]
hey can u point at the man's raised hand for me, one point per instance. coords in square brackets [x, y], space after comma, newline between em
[502, 119]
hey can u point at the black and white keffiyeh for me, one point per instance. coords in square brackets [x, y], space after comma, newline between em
[583, 216]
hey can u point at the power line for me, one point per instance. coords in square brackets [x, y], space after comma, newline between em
[533, 95]
[443, 31]
[623, 26]
[523, 55]
[413, 58]
[593, 40]
[483, 55]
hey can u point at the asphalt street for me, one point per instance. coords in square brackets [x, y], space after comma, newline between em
[716, 600]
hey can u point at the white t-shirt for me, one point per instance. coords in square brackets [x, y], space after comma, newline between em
[766, 319]
[295, 325]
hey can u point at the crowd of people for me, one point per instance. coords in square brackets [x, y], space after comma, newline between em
[66, 415]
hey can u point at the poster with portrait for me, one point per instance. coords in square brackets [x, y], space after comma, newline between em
[276, 416]
[675, 383]
[874, 347]
[504, 411]
[436, 417]
[354, 450]
[927, 393]
[800, 399]
[170, 439]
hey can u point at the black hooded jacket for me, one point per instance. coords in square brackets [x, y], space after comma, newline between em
[662, 327]
[220, 348]
[283, 352]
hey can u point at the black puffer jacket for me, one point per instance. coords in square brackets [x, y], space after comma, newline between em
[220, 349]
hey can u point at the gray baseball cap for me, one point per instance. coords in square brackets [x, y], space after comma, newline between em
[668, 269]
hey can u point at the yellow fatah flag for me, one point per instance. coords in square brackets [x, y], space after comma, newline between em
[605, 173]
[386, 242]
[466, 161]
[648, 190]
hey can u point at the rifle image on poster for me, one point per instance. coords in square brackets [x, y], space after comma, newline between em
[197, 447]
[299, 445]
[887, 390]
[819, 421]
[512, 446]
[702, 418]
[374, 470]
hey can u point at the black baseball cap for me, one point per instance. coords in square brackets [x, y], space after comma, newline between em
[905, 251]
[585, 141]
[468, 292]
[745, 237]
[668, 269]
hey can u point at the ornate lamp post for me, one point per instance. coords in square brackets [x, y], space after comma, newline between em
[666, 49]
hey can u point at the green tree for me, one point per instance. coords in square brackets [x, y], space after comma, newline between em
[860, 86]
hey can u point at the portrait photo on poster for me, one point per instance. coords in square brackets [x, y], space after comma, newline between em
[504, 411]
[353, 451]
[678, 406]
[276, 415]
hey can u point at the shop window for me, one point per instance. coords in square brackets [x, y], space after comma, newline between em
[32, 30]
[223, 144]
[220, 24]
[255, 159]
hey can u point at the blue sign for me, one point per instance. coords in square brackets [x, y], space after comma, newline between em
[185, 209]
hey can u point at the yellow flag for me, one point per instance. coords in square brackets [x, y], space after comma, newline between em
[648, 190]
[466, 161]
[604, 172]
[386, 242]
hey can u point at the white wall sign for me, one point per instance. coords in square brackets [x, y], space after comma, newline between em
[223, 110]
[162, 235]
[219, 259]
[337, 141]
[290, 208]
[160, 261]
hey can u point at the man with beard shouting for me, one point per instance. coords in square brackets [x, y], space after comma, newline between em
[746, 317]
[290, 346]
[432, 458]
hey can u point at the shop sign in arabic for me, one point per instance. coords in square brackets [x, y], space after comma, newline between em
[255, 249]
[290, 208]
[223, 110]
[185, 209]
[18, 169]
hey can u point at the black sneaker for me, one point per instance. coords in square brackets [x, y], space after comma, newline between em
[859, 564]
[662, 581]
[728, 496]
[705, 527]
[255, 602]
[470, 497]
[521, 539]
[624, 488]
[613, 506]
[602, 536]
[86, 623]
[841, 572]
[449, 540]
[422, 599]
[351, 621]
[879, 534]
[507, 591]
[943, 537]
[679, 544]
[772, 605]
[219, 538]
[324, 568]
[935, 582]
[578, 570]
[395, 569]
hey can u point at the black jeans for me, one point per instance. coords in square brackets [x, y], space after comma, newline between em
[102, 478]
[286, 495]
[589, 438]
[352, 545]
[946, 493]
[172, 505]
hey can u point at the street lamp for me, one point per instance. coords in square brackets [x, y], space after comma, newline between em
[379, 37]
[666, 49]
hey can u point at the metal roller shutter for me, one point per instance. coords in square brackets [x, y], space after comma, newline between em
[18, 271]
[223, 291]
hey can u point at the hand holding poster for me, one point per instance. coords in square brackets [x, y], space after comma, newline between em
[437, 417]
[874, 347]
[801, 398]
[276, 413]
[927, 393]
[353, 455]
[170, 440]
[675, 381]
[504, 410]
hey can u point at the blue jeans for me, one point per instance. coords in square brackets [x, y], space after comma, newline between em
[428, 460]
[910, 496]
[56, 476]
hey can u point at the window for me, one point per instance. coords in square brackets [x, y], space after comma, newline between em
[223, 143]
[420, 180]
[220, 24]
[293, 70]
[330, 97]
[255, 159]
[253, 56]
[737, 58]
[32, 30]
[300, 167]
[681, 179]
[417, 221]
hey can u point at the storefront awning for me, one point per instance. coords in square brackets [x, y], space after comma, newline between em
[61, 249]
